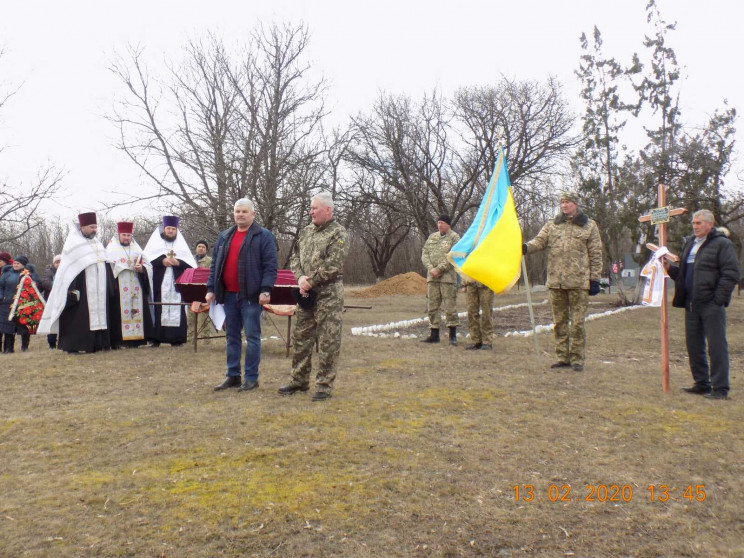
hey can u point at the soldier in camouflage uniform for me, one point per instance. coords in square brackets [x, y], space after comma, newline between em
[574, 267]
[317, 262]
[441, 280]
[479, 302]
[205, 261]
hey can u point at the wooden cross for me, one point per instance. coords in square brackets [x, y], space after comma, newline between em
[660, 217]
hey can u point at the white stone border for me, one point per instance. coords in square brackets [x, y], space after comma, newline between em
[380, 330]
[549, 327]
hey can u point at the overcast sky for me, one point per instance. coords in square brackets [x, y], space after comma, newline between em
[58, 52]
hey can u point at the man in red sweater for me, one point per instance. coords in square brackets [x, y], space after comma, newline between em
[241, 277]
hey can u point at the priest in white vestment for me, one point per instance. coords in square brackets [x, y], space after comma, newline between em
[132, 325]
[170, 256]
[79, 303]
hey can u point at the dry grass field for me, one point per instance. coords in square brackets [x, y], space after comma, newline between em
[131, 453]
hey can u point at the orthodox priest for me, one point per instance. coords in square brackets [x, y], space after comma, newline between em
[170, 256]
[132, 325]
[81, 298]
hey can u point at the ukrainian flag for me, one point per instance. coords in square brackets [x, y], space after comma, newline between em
[490, 251]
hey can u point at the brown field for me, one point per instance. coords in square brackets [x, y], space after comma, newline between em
[131, 453]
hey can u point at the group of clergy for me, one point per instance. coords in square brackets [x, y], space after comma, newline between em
[120, 295]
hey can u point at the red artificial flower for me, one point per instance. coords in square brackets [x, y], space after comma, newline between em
[22, 321]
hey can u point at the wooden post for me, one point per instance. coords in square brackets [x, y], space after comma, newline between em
[661, 219]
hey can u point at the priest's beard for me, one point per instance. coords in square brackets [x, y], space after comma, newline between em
[125, 242]
[90, 236]
[168, 238]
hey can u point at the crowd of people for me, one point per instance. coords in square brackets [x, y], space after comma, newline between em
[124, 296]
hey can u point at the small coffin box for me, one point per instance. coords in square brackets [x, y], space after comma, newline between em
[192, 284]
[285, 282]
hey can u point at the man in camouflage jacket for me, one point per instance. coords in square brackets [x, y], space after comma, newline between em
[441, 280]
[318, 262]
[574, 268]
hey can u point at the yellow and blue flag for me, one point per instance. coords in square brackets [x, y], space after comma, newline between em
[490, 251]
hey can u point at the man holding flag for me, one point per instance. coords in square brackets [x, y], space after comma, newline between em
[574, 268]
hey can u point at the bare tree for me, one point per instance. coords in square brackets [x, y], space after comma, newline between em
[221, 127]
[407, 148]
[19, 203]
[382, 227]
[532, 121]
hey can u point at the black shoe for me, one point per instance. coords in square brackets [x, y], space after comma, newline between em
[24, 349]
[321, 395]
[291, 388]
[474, 347]
[248, 385]
[453, 336]
[697, 389]
[176, 344]
[230, 382]
[560, 365]
[433, 336]
[52, 347]
[716, 395]
[577, 367]
[154, 344]
[486, 347]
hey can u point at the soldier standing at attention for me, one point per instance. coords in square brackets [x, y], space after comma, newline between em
[441, 280]
[574, 267]
[318, 263]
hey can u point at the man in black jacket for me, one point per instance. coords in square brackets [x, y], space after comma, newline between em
[242, 276]
[704, 281]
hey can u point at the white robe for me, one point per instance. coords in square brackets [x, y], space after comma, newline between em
[78, 254]
[157, 246]
[134, 306]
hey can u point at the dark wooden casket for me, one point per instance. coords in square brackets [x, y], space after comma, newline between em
[282, 292]
[192, 284]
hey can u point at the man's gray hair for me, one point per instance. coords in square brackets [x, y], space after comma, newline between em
[324, 197]
[245, 201]
[705, 215]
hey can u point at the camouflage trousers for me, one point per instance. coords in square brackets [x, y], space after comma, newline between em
[442, 296]
[569, 311]
[323, 322]
[479, 302]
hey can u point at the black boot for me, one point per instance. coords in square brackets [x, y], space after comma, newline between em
[433, 336]
[8, 342]
[453, 335]
[24, 342]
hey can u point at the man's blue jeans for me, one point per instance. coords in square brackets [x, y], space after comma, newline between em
[242, 315]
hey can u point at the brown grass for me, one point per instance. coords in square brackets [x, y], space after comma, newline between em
[131, 453]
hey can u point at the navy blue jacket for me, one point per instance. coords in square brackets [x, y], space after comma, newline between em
[256, 263]
[715, 272]
[9, 283]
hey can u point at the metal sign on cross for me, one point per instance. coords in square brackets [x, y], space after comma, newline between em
[660, 216]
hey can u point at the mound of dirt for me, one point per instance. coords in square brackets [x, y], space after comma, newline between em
[410, 283]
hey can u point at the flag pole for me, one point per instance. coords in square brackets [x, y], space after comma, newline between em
[529, 305]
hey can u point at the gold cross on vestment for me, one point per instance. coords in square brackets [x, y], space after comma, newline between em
[660, 217]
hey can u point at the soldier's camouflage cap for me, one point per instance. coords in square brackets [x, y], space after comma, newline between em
[570, 195]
